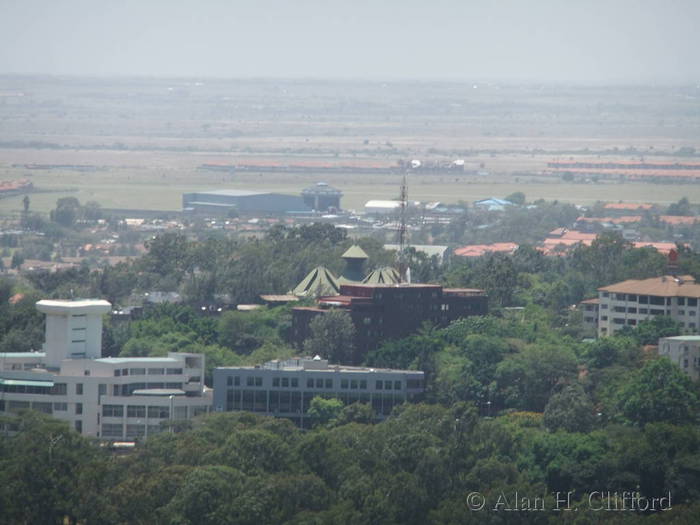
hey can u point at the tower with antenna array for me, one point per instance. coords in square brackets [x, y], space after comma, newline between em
[402, 256]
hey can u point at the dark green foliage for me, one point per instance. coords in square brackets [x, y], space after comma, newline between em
[570, 410]
[332, 337]
[659, 392]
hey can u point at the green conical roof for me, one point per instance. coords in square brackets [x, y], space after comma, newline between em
[319, 281]
[355, 252]
[384, 275]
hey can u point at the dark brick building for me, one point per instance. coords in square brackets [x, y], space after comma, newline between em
[385, 311]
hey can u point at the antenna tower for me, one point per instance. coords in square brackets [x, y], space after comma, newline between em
[403, 237]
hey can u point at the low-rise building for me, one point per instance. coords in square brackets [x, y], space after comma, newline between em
[629, 302]
[286, 388]
[112, 398]
[684, 351]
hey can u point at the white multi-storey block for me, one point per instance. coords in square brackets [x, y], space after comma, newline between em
[629, 302]
[111, 398]
[684, 351]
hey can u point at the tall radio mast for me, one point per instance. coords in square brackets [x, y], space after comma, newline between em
[403, 237]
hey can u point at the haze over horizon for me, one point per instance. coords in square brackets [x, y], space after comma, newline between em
[548, 41]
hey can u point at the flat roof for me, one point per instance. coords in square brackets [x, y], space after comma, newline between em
[331, 369]
[62, 307]
[233, 193]
[144, 360]
[22, 355]
[684, 338]
[159, 392]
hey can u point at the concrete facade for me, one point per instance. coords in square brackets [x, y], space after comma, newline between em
[286, 388]
[629, 302]
[683, 351]
[112, 398]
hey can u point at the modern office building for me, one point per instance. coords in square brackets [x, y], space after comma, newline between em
[390, 311]
[112, 398]
[286, 388]
[684, 351]
[629, 302]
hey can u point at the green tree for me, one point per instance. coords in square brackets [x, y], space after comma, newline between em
[659, 392]
[322, 411]
[17, 260]
[571, 410]
[517, 197]
[332, 337]
[67, 211]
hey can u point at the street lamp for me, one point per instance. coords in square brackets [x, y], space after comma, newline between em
[172, 418]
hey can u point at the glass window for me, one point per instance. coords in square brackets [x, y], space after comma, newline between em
[135, 431]
[112, 430]
[237, 381]
[353, 384]
[136, 411]
[309, 383]
[159, 412]
[137, 371]
[250, 381]
[173, 371]
[692, 301]
[180, 412]
[681, 301]
[258, 381]
[343, 383]
[387, 385]
[319, 383]
[397, 385]
[59, 389]
[379, 385]
[78, 408]
[156, 371]
[41, 406]
[276, 381]
[363, 384]
[295, 382]
[285, 381]
[112, 410]
[60, 407]
[329, 384]
[229, 380]
[79, 389]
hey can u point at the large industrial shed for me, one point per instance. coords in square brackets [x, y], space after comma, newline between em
[220, 202]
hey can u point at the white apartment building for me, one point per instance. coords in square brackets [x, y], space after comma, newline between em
[113, 398]
[286, 388]
[684, 351]
[629, 302]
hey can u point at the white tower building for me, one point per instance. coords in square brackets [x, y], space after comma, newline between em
[73, 329]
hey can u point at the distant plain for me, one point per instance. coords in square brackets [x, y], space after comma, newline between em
[147, 137]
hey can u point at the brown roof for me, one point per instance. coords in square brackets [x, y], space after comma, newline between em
[673, 219]
[666, 286]
[279, 298]
[477, 250]
[595, 300]
[627, 206]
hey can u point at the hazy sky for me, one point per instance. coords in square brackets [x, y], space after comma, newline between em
[591, 41]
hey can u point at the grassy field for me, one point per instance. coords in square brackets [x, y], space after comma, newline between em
[143, 188]
[147, 136]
